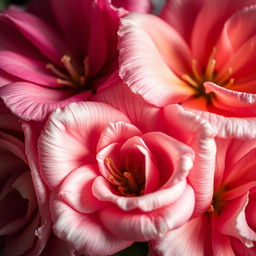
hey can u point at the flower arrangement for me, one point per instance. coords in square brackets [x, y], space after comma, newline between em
[125, 132]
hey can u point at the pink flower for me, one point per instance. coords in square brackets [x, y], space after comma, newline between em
[121, 170]
[54, 55]
[198, 53]
[228, 227]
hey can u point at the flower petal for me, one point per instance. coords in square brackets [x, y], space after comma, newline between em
[70, 138]
[198, 134]
[83, 232]
[144, 59]
[33, 102]
[133, 5]
[142, 227]
[120, 96]
[26, 69]
[38, 32]
[76, 189]
[189, 239]
[146, 203]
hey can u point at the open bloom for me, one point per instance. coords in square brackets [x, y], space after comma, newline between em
[198, 53]
[51, 56]
[228, 226]
[121, 170]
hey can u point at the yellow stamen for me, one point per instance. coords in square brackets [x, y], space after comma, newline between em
[66, 60]
[209, 72]
[56, 71]
[190, 80]
[197, 75]
[66, 82]
[131, 181]
[112, 169]
[230, 83]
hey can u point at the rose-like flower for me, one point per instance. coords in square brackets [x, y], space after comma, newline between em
[121, 170]
[62, 55]
[228, 227]
[198, 53]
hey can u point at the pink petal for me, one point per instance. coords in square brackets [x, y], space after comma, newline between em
[120, 96]
[198, 134]
[237, 30]
[103, 190]
[229, 127]
[76, 189]
[117, 132]
[237, 103]
[213, 15]
[133, 5]
[139, 226]
[6, 78]
[144, 59]
[173, 159]
[26, 69]
[33, 102]
[189, 239]
[70, 138]
[181, 15]
[83, 232]
[38, 32]
[233, 221]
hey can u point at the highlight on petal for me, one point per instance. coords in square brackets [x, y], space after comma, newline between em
[143, 60]
[199, 135]
[83, 232]
[133, 5]
[70, 138]
[32, 102]
[141, 226]
[76, 190]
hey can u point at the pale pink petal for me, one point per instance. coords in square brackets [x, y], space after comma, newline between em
[173, 159]
[38, 32]
[233, 221]
[83, 232]
[117, 132]
[189, 239]
[198, 134]
[120, 96]
[24, 68]
[32, 102]
[237, 30]
[133, 5]
[103, 190]
[237, 103]
[71, 136]
[143, 59]
[230, 127]
[76, 190]
[141, 226]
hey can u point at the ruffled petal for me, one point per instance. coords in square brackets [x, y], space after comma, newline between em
[139, 226]
[189, 239]
[120, 96]
[145, 56]
[32, 102]
[70, 138]
[198, 134]
[76, 189]
[237, 103]
[38, 32]
[83, 232]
